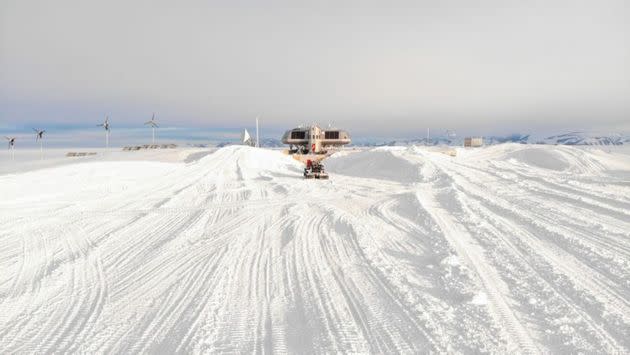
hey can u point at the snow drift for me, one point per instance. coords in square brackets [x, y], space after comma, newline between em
[501, 249]
[377, 164]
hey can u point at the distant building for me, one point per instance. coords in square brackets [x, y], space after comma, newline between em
[315, 140]
[473, 141]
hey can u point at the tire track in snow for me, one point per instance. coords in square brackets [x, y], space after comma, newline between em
[519, 337]
[205, 265]
[156, 273]
[574, 198]
[562, 235]
[341, 330]
[561, 256]
[85, 290]
[386, 291]
[569, 301]
[565, 264]
[76, 328]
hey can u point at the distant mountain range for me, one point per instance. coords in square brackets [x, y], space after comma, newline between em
[571, 138]
[582, 138]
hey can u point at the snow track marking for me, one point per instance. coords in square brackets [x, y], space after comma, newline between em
[584, 278]
[459, 238]
[235, 253]
[558, 254]
[611, 344]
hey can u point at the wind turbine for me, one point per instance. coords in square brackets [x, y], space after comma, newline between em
[153, 125]
[106, 126]
[39, 136]
[11, 146]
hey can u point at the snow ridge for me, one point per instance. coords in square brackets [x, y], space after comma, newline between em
[504, 249]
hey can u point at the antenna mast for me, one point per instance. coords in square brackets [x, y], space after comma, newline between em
[257, 137]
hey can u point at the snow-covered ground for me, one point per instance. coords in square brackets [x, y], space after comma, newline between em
[33, 159]
[509, 248]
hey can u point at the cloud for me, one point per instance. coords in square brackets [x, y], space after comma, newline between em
[373, 67]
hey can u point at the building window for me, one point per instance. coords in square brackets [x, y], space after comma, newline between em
[331, 135]
[298, 135]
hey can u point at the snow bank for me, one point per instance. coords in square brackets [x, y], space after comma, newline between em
[550, 158]
[246, 163]
[378, 163]
[234, 252]
[30, 159]
[541, 158]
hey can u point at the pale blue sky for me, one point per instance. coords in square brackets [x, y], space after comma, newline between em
[376, 68]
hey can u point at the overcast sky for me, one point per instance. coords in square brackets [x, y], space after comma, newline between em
[381, 67]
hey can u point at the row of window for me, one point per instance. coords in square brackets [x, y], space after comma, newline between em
[302, 135]
[331, 135]
[298, 135]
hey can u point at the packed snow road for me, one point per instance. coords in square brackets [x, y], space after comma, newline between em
[512, 249]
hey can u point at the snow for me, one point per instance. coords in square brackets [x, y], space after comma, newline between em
[380, 163]
[31, 159]
[480, 299]
[503, 249]
[541, 158]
